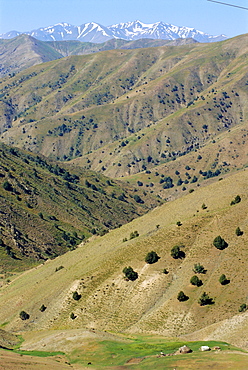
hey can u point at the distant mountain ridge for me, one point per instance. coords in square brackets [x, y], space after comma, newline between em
[24, 51]
[94, 32]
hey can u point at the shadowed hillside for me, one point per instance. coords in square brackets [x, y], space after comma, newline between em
[47, 209]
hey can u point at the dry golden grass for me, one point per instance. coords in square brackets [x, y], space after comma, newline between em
[150, 303]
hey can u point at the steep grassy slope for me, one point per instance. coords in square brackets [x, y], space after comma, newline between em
[124, 111]
[23, 52]
[148, 304]
[47, 209]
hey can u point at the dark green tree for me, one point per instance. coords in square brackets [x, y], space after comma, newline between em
[179, 182]
[168, 182]
[223, 280]
[151, 257]
[24, 315]
[43, 308]
[243, 307]
[182, 297]
[236, 200]
[130, 274]
[195, 281]
[177, 253]
[138, 199]
[238, 232]
[205, 299]
[199, 269]
[220, 243]
[7, 186]
[76, 296]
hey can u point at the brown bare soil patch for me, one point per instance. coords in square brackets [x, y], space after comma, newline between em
[135, 360]
[14, 361]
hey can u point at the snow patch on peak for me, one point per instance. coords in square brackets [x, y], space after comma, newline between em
[94, 32]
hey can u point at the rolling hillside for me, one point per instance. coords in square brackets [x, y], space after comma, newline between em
[24, 51]
[122, 112]
[171, 123]
[108, 302]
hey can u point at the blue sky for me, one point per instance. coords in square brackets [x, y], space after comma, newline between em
[206, 16]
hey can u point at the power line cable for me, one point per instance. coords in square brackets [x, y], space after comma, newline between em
[235, 6]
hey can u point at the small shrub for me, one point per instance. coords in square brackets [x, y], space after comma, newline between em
[59, 268]
[238, 232]
[220, 243]
[73, 316]
[243, 307]
[199, 269]
[7, 186]
[43, 308]
[205, 299]
[121, 197]
[236, 200]
[195, 281]
[124, 240]
[24, 315]
[138, 199]
[130, 274]
[179, 223]
[179, 182]
[76, 296]
[151, 257]
[223, 280]
[177, 253]
[182, 297]
[134, 234]
[204, 206]
[165, 271]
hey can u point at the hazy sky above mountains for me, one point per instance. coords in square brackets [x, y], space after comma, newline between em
[206, 16]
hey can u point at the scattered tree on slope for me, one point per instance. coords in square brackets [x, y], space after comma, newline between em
[130, 274]
[151, 257]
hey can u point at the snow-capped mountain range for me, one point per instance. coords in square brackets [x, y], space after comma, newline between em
[94, 32]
